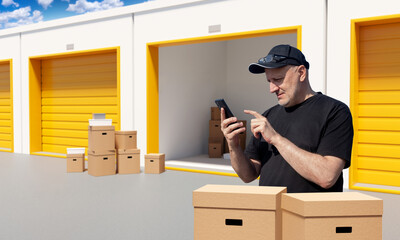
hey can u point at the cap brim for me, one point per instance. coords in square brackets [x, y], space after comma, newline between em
[257, 68]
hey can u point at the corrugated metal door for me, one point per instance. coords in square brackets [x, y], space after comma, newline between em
[72, 89]
[5, 107]
[378, 121]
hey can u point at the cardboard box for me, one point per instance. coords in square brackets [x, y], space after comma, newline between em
[215, 113]
[237, 212]
[76, 162]
[125, 139]
[128, 161]
[154, 163]
[215, 150]
[102, 164]
[336, 216]
[101, 139]
[215, 129]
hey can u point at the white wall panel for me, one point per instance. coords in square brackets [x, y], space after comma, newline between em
[191, 77]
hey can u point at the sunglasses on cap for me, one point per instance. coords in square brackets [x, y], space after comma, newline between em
[275, 59]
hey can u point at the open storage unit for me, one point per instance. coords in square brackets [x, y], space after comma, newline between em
[192, 76]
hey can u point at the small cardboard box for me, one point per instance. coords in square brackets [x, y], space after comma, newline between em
[237, 212]
[76, 162]
[102, 164]
[215, 150]
[101, 138]
[154, 163]
[128, 161]
[125, 139]
[331, 216]
[215, 113]
[215, 129]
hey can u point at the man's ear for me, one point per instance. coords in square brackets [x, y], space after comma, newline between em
[302, 72]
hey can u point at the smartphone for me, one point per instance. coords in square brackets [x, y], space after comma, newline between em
[222, 104]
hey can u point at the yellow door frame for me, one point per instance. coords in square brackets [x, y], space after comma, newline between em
[10, 62]
[354, 76]
[152, 63]
[35, 94]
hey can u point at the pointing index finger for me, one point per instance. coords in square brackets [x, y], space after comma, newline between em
[254, 113]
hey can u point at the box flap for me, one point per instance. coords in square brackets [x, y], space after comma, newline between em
[128, 151]
[101, 128]
[238, 197]
[75, 155]
[154, 155]
[125, 132]
[332, 204]
[101, 152]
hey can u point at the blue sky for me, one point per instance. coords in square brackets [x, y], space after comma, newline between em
[15, 13]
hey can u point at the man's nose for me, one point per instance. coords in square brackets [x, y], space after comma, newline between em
[272, 87]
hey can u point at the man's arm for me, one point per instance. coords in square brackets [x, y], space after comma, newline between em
[322, 170]
[247, 169]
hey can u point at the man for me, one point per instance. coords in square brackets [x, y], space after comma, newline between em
[302, 143]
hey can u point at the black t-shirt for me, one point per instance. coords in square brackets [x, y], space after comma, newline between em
[319, 125]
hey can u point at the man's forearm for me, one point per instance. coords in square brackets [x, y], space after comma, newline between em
[243, 166]
[321, 170]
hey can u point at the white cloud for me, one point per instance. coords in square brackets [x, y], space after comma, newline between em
[7, 3]
[45, 3]
[21, 16]
[83, 6]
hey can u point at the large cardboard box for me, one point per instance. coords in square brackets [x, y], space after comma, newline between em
[102, 164]
[154, 163]
[125, 139]
[237, 212]
[215, 129]
[331, 216]
[128, 161]
[215, 113]
[76, 162]
[101, 139]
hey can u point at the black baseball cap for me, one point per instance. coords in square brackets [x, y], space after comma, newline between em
[279, 56]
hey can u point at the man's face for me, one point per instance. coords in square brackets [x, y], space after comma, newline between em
[284, 82]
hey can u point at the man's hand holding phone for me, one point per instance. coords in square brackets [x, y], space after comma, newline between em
[231, 129]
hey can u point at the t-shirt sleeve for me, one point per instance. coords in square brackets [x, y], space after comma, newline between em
[337, 139]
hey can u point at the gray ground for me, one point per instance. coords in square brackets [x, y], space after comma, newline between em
[39, 200]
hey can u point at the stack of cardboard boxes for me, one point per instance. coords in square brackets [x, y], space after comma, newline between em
[217, 144]
[216, 137]
[128, 155]
[101, 151]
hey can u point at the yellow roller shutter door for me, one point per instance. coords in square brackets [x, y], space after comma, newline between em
[72, 89]
[5, 107]
[378, 120]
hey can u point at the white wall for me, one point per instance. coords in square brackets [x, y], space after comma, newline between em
[244, 89]
[190, 78]
[340, 14]
[192, 20]
[10, 49]
[104, 33]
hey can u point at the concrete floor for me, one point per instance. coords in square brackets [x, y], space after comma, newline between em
[39, 200]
